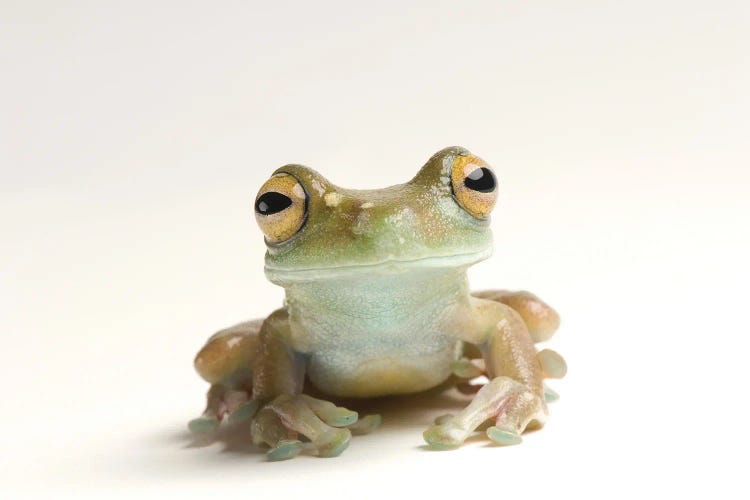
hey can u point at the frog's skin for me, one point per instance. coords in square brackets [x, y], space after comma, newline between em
[378, 303]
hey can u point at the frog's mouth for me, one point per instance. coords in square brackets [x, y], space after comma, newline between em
[390, 266]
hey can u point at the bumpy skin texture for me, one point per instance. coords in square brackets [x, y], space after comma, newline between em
[378, 303]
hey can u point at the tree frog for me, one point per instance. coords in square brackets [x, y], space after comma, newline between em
[378, 303]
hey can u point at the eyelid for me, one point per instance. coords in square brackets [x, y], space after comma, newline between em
[477, 202]
[282, 225]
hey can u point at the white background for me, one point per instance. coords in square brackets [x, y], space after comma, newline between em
[134, 135]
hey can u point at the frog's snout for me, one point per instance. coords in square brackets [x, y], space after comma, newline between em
[390, 229]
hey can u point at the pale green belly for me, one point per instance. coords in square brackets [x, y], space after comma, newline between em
[347, 374]
[379, 334]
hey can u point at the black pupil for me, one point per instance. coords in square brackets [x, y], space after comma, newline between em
[482, 180]
[272, 203]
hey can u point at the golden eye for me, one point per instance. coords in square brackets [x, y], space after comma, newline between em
[281, 208]
[474, 185]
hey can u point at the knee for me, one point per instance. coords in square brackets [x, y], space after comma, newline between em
[541, 320]
[226, 358]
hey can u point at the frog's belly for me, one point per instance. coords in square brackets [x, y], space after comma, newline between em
[351, 374]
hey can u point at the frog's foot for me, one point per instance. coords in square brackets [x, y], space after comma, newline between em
[328, 427]
[510, 404]
[231, 405]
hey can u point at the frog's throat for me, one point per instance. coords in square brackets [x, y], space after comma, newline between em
[285, 275]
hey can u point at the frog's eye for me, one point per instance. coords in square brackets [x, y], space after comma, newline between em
[474, 185]
[281, 208]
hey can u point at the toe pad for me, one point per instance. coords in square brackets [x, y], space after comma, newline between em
[505, 437]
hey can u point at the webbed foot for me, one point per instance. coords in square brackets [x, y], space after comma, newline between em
[282, 422]
[512, 406]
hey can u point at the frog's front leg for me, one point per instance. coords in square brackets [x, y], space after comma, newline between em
[278, 380]
[514, 397]
[274, 375]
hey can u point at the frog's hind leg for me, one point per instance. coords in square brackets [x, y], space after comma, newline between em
[541, 320]
[515, 398]
[226, 362]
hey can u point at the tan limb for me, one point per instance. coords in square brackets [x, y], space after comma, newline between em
[515, 395]
[227, 357]
[226, 362]
[278, 378]
[541, 320]
[278, 369]
[251, 366]
[236, 360]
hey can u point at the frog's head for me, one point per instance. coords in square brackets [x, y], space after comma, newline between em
[316, 230]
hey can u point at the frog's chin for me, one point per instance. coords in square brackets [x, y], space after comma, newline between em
[281, 275]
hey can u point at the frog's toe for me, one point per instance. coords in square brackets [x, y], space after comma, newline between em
[205, 424]
[342, 417]
[445, 435]
[285, 449]
[366, 424]
[223, 404]
[504, 436]
[333, 443]
[553, 365]
[442, 419]
[244, 412]
[550, 396]
[267, 429]
[285, 418]
[335, 416]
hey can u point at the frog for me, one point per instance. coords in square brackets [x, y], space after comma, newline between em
[377, 303]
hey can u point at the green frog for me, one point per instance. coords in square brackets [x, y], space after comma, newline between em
[378, 303]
